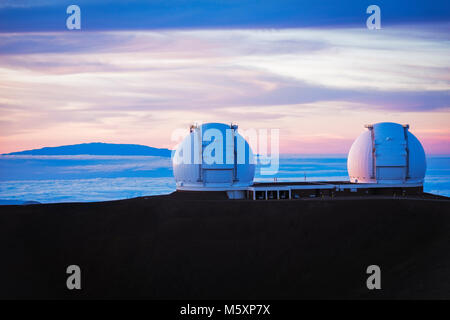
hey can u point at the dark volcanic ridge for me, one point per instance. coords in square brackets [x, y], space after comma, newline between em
[183, 246]
[98, 148]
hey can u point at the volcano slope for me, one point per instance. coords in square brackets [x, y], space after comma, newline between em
[197, 246]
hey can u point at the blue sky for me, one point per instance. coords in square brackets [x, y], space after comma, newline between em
[47, 15]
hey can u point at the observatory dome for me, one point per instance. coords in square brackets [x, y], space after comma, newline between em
[214, 156]
[387, 153]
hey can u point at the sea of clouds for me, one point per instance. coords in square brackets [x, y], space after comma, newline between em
[83, 178]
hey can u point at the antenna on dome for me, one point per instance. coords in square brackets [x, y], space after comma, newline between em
[193, 127]
[234, 127]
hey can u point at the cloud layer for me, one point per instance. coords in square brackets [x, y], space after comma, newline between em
[318, 85]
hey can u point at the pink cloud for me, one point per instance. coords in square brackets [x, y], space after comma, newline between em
[137, 87]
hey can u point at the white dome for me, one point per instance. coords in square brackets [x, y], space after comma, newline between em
[213, 156]
[386, 153]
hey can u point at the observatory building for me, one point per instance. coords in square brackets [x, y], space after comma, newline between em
[214, 157]
[387, 153]
[384, 160]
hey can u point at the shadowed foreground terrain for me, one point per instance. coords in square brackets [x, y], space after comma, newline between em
[182, 247]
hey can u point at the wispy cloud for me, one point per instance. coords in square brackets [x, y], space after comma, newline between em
[83, 190]
[134, 166]
[320, 86]
[79, 157]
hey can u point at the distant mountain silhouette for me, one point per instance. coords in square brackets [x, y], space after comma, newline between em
[98, 148]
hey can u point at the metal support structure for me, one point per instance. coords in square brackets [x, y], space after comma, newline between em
[198, 132]
[234, 131]
[374, 162]
[405, 131]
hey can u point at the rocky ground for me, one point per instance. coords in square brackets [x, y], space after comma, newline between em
[186, 246]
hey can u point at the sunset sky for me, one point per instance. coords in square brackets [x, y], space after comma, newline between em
[135, 73]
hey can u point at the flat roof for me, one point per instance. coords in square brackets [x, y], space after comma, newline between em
[299, 183]
[260, 186]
